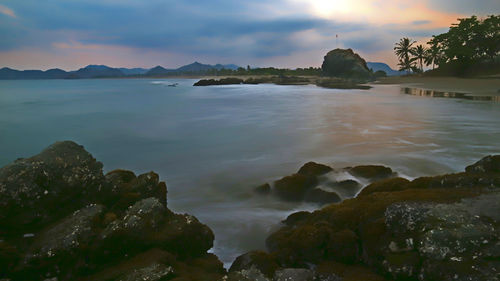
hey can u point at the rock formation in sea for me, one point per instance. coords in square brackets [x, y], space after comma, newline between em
[61, 218]
[346, 64]
[432, 228]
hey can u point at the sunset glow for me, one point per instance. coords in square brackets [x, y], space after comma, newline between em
[61, 33]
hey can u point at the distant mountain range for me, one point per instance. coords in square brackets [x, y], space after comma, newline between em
[103, 71]
[376, 66]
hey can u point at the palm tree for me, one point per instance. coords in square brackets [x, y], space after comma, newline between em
[420, 53]
[403, 48]
[407, 64]
[432, 56]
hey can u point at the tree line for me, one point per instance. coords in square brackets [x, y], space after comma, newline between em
[468, 41]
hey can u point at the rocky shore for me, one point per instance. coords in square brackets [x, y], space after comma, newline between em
[432, 228]
[61, 218]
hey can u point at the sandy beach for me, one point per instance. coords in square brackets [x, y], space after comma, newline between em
[470, 86]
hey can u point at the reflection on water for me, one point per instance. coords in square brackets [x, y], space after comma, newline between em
[442, 94]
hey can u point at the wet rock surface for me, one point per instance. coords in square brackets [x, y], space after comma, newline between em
[312, 184]
[432, 228]
[62, 219]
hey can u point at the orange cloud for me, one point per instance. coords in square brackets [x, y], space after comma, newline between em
[7, 11]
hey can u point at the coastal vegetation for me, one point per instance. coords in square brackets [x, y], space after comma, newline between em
[471, 46]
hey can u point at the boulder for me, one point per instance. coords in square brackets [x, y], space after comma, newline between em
[387, 185]
[125, 188]
[489, 164]
[262, 261]
[294, 274]
[334, 271]
[153, 272]
[223, 81]
[263, 189]
[38, 190]
[251, 274]
[314, 169]
[345, 63]
[62, 219]
[294, 187]
[320, 196]
[372, 172]
[347, 188]
[73, 233]
[444, 241]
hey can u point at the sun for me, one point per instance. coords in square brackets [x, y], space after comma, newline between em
[328, 8]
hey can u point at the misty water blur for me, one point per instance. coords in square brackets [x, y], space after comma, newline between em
[213, 145]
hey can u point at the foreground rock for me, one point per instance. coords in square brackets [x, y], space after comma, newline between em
[61, 218]
[432, 228]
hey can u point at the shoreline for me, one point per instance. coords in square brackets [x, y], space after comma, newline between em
[468, 86]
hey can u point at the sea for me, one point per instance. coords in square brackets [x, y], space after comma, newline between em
[214, 145]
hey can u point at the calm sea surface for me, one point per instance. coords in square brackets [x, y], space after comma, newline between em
[213, 145]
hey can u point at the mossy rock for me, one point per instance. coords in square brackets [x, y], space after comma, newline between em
[348, 188]
[331, 270]
[264, 262]
[294, 187]
[488, 164]
[317, 195]
[371, 172]
[263, 189]
[387, 185]
[295, 218]
[314, 169]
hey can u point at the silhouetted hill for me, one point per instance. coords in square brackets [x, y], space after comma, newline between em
[103, 71]
[12, 74]
[95, 71]
[158, 71]
[134, 71]
[376, 66]
[200, 67]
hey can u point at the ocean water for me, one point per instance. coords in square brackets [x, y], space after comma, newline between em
[213, 145]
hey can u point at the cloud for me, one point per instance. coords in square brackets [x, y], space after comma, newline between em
[287, 32]
[421, 22]
[7, 11]
[467, 7]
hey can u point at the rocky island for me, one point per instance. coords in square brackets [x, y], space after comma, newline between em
[341, 69]
[61, 218]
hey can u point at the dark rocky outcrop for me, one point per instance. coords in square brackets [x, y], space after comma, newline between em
[310, 184]
[259, 260]
[433, 228]
[345, 63]
[314, 169]
[61, 218]
[371, 172]
[223, 81]
[263, 189]
[294, 187]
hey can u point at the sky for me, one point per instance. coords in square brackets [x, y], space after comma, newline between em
[70, 34]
